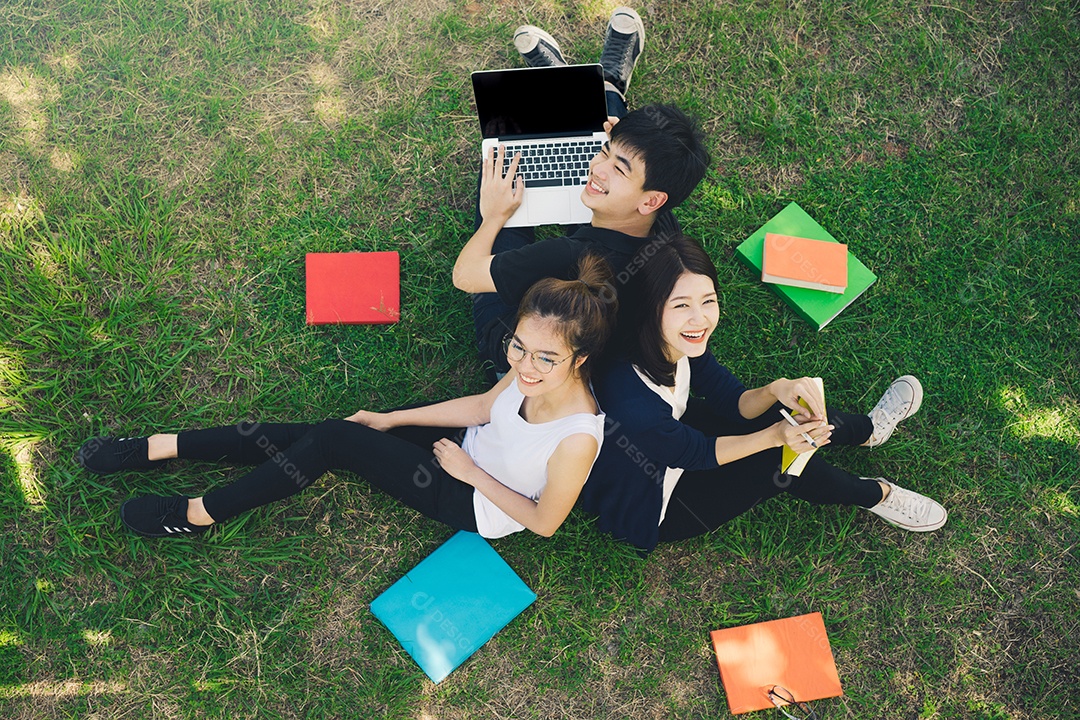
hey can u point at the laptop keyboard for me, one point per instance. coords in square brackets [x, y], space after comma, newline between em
[553, 164]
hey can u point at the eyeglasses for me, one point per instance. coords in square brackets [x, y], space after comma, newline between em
[782, 697]
[516, 352]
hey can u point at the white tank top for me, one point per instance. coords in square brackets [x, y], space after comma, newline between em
[516, 452]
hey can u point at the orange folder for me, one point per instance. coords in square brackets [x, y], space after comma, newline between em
[353, 288]
[793, 653]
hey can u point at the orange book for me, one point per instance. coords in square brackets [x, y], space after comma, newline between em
[805, 263]
[353, 288]
[792, 653]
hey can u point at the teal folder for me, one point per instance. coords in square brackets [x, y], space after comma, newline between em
[451, 603]
[816, 307]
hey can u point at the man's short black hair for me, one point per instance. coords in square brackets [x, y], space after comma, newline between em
[671, 146]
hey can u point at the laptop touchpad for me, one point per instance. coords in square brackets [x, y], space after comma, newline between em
[552, 205]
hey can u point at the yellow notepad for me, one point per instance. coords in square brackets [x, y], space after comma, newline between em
[792, 462]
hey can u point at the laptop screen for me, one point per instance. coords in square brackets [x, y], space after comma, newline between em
[540, 102]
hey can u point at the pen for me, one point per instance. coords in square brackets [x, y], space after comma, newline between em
[787, 416]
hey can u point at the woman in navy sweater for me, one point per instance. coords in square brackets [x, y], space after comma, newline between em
[674, 467]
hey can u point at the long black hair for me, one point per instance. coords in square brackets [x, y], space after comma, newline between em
[653, 285]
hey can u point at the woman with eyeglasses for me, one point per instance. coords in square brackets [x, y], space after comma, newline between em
[674, 467]
[512, 458]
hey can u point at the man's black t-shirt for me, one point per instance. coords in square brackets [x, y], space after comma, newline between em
[514, 271]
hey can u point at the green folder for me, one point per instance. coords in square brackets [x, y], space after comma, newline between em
[451, 603]
[816, 307]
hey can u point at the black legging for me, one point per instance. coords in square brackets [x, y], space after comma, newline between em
[291, 456]
[703, 500]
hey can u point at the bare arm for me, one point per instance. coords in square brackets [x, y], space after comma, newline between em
[500, 196]
[472, 270]
[460, 412]
[567, 469]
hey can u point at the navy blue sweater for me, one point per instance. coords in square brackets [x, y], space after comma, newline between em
[642, 440]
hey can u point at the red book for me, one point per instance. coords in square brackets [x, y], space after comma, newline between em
[805, 263]
[354, 288]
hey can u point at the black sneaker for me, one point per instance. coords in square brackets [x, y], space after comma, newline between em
[537, 48]
[104, 455]
[158, 516]
[623, 42]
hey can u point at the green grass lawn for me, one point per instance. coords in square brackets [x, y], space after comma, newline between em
[165, 165]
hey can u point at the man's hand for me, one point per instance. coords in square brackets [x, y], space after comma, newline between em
[610, 123]
[500, 195]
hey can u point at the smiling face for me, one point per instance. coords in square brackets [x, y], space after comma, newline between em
[540, 336]
[690, 315]
[616, 185]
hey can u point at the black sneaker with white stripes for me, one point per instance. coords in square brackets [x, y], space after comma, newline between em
[624, 41]
[105, 455]
[157, 516]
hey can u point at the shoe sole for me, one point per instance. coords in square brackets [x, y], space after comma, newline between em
[526, 30]
[639, 25]
[917, 391]
[928, 528]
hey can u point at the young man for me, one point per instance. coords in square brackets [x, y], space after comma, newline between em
[653, 161]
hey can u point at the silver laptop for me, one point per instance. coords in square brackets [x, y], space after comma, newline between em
[554, 117]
